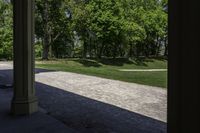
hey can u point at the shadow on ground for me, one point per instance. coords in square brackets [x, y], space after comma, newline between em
[88, 62]
[6, 77]
[112, 62]
[86, 115]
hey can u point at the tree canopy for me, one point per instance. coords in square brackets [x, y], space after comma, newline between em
[6, 30]
[93, 28]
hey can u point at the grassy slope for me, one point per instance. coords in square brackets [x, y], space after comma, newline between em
[109, 68]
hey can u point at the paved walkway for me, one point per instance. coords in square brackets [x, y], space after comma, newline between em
[90, 104]
[145, 100]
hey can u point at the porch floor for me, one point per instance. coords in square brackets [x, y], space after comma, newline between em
[36, 123]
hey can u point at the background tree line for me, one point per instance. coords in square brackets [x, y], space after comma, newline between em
[6, 33]
[93, 28]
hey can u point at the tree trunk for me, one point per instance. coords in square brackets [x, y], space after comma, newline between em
[158, 47]
[166, 48]
[114, 51]
[84, 50]
[147, 50]
[90, 48]
[46, 42]
[131, 50]
[101, 51]
[45, 50]
[50, 51]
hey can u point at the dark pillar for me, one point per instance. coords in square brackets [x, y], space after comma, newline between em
[184, 76]
[24, 100]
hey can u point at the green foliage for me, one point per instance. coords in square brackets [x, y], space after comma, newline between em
[53, 27]
[6, 41]
[117, 26]
[92, 28]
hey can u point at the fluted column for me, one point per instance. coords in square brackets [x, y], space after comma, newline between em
[24, 99]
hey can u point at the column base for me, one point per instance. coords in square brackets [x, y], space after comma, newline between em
[24, 107]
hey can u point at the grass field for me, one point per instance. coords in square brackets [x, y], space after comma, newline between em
[109, 68]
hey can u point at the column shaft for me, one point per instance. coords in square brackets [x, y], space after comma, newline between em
[24, 100]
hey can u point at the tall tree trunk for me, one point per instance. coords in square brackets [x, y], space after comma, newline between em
[45, 50]
[114, 51]
[90, 48]
[158, 47]
[131, 50]
[46, 41]
[50, 51]
[101, 51]
[166, 48]
[147, 50]
[84, 50]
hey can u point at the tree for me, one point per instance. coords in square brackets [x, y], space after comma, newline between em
[93, 28]
[51, 24]
[6, 32]
[153, 19]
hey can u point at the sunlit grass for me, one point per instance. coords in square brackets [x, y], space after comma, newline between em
[109, 68]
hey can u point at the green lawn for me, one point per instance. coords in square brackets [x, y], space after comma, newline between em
[109, 68]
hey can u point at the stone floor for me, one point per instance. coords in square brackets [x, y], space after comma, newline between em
[90, 104]
[37, 123]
